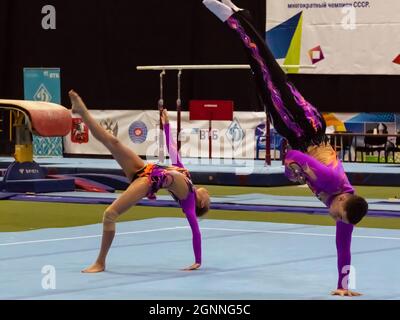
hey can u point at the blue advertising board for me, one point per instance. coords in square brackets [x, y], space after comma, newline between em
[44, 84]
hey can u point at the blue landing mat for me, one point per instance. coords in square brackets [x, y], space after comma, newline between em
[241, 260]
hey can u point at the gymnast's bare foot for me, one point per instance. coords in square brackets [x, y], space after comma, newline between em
[96, 268]
[194, 267]
[78, 106]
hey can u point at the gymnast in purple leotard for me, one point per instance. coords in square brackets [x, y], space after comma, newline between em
[312, 160]
[146, 181]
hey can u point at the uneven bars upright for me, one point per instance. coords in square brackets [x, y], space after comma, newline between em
[180, 68]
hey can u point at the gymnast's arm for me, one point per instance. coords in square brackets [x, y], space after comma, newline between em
[344, 233]
[171, 144]
[189, 208]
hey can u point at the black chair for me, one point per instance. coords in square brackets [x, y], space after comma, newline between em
[342, 143]
[372, 144]
[393, 148]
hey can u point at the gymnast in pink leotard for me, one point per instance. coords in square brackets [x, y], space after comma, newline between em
[146, 181]
[312, 160]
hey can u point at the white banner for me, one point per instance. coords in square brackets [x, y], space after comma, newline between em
[238, 139]
[338, 36]
[139, 130]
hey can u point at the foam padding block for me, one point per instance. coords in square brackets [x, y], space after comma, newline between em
[85, 184]
[114, 181]
[40, 185]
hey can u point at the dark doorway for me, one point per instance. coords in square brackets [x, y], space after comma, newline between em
[7, 134]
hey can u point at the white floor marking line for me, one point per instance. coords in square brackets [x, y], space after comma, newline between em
[84, 237]
[185, 228]
[295, 233]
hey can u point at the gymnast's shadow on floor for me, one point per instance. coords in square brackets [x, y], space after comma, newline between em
[152, 275]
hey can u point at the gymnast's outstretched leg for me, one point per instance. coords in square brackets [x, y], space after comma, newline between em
[130, 164]
[129, 161]
[294, 118]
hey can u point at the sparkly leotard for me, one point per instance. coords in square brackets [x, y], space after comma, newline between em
[325, 176]
[159, 177]
[294, 118]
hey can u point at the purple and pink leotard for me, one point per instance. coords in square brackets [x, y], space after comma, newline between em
[327, 180]
[295, 119]
[158, 178]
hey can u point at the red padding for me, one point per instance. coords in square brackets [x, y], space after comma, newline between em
[50, 121]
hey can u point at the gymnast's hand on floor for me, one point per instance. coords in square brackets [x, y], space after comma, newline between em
[194, 267]
[345, 293]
